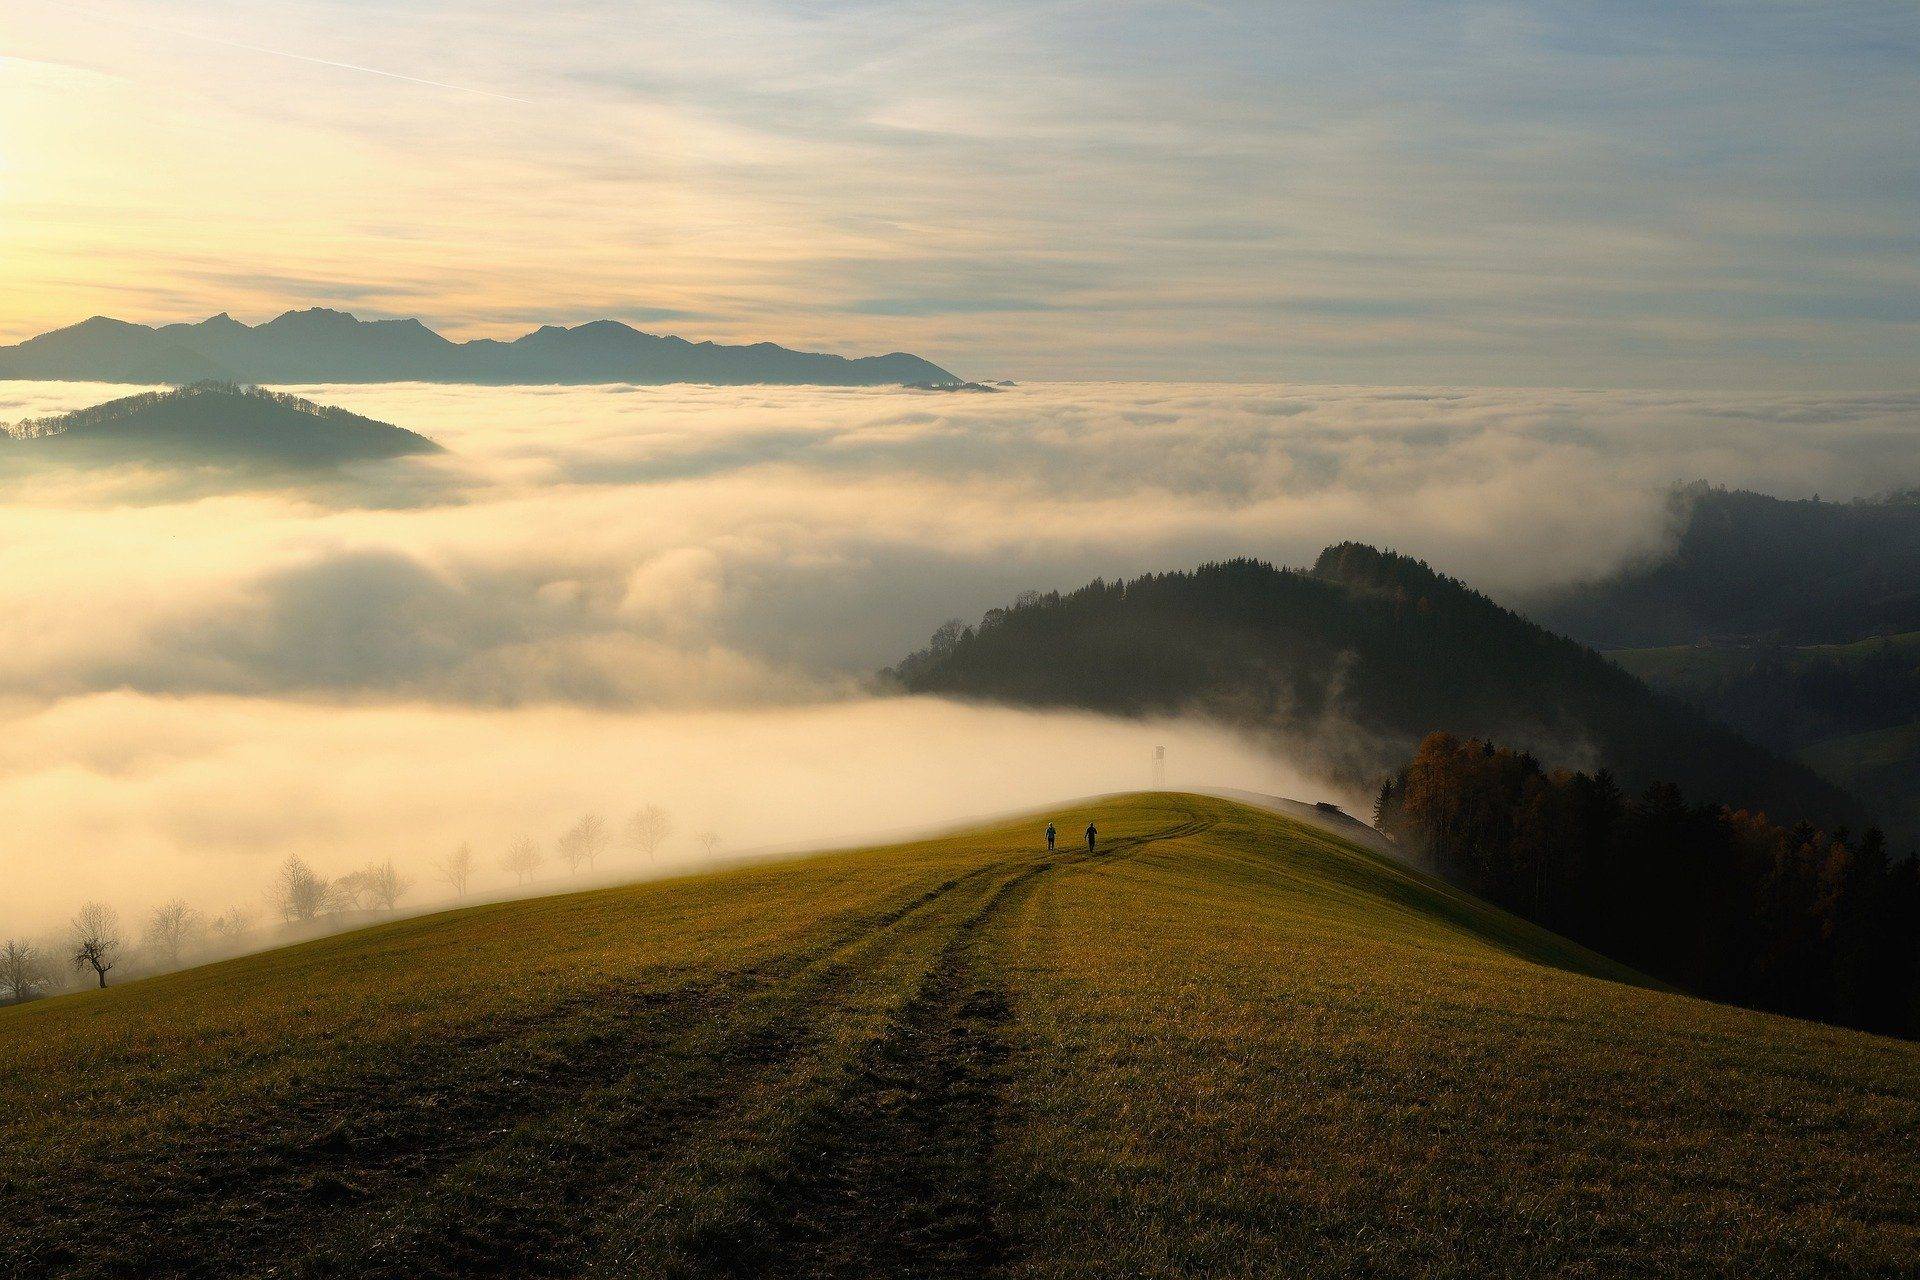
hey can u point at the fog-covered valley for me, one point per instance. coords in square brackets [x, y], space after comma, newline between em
[600, 598]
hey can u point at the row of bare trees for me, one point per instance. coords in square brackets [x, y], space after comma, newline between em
[301, 895]
[176, 933]
[95, 944]
[579, 847]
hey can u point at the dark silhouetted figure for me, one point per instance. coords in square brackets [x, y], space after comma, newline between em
[1050, 837]
[1092, 835]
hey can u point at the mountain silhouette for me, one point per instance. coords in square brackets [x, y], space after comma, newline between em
[215, 423]
[319, 345]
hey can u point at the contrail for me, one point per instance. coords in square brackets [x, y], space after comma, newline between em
[284, 53]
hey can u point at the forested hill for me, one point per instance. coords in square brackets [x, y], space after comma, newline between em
[213, 423]
[1355, 660]
[1752, 567]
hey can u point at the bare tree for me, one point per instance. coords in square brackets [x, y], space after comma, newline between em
[523, 858]
[376, 887]
[709, 842]
[570, 852]
[96, 939]
[230, 929]
[172, 931]
[23, 974]
[299, 895]
[352, 891]
[456, 869]
[584, 842]
[647, 830]
[387, 886]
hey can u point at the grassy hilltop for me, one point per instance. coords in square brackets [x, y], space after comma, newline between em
[1226, 1045]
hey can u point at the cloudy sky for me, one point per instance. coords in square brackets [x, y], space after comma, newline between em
[1531, 193]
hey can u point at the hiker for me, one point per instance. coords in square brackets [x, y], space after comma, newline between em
[1049, 837]
[1091, 833]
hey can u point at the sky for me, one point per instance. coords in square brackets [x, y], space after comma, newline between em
[1538, 193]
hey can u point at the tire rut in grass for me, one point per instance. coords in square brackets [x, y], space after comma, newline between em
[899, 1182]
[534, 1201]
[898, 1178]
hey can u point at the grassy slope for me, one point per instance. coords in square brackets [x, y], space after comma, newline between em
[1879, 765]
[1684, 664]
[1228, 1045]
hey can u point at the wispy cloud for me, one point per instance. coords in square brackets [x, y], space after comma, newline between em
[1540, 193]
[177, 33]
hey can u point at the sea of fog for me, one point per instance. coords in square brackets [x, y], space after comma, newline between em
[609, 596]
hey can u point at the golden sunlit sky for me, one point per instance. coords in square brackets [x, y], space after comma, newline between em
[1527, 193]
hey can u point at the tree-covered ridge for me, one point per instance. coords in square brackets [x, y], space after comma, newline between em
[1793, 621]
[1356, 659]
[1752, 567]
[217, 423]
[1729, 904]
[112, 411]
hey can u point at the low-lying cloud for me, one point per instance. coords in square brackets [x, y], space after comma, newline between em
[197, 680]
[136, 799]
[669, 546]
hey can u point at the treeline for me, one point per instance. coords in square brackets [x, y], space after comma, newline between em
[301, 903]
[1725, 903]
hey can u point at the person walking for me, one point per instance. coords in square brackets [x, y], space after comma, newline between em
[1049, 837]
[1092, 834]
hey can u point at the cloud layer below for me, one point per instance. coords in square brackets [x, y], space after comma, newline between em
[601, 587]
[136, 799]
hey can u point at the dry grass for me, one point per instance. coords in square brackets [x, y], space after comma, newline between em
[1230, 1046]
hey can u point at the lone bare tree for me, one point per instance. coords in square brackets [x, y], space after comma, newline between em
[709, 842]
[230, 929]
[172, 931]
[299, 894]
[352, 891]
[523, 858]
[647, 830]
[23, 974]
[456, 869]
[386, 886]
[96, 939]
[583, 842]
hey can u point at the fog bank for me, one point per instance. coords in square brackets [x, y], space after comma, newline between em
[135, 800]
[698, 546]
[604, 597]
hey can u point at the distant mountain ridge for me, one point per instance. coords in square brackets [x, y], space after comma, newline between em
[321, 345]
[1795, 621]
[1354, 661]
[1752, 567]
[214, 423]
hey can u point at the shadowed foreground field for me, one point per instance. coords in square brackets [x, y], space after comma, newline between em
[1226, 1045]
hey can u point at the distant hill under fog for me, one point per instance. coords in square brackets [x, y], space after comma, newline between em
[215, 423]
[319, 345]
